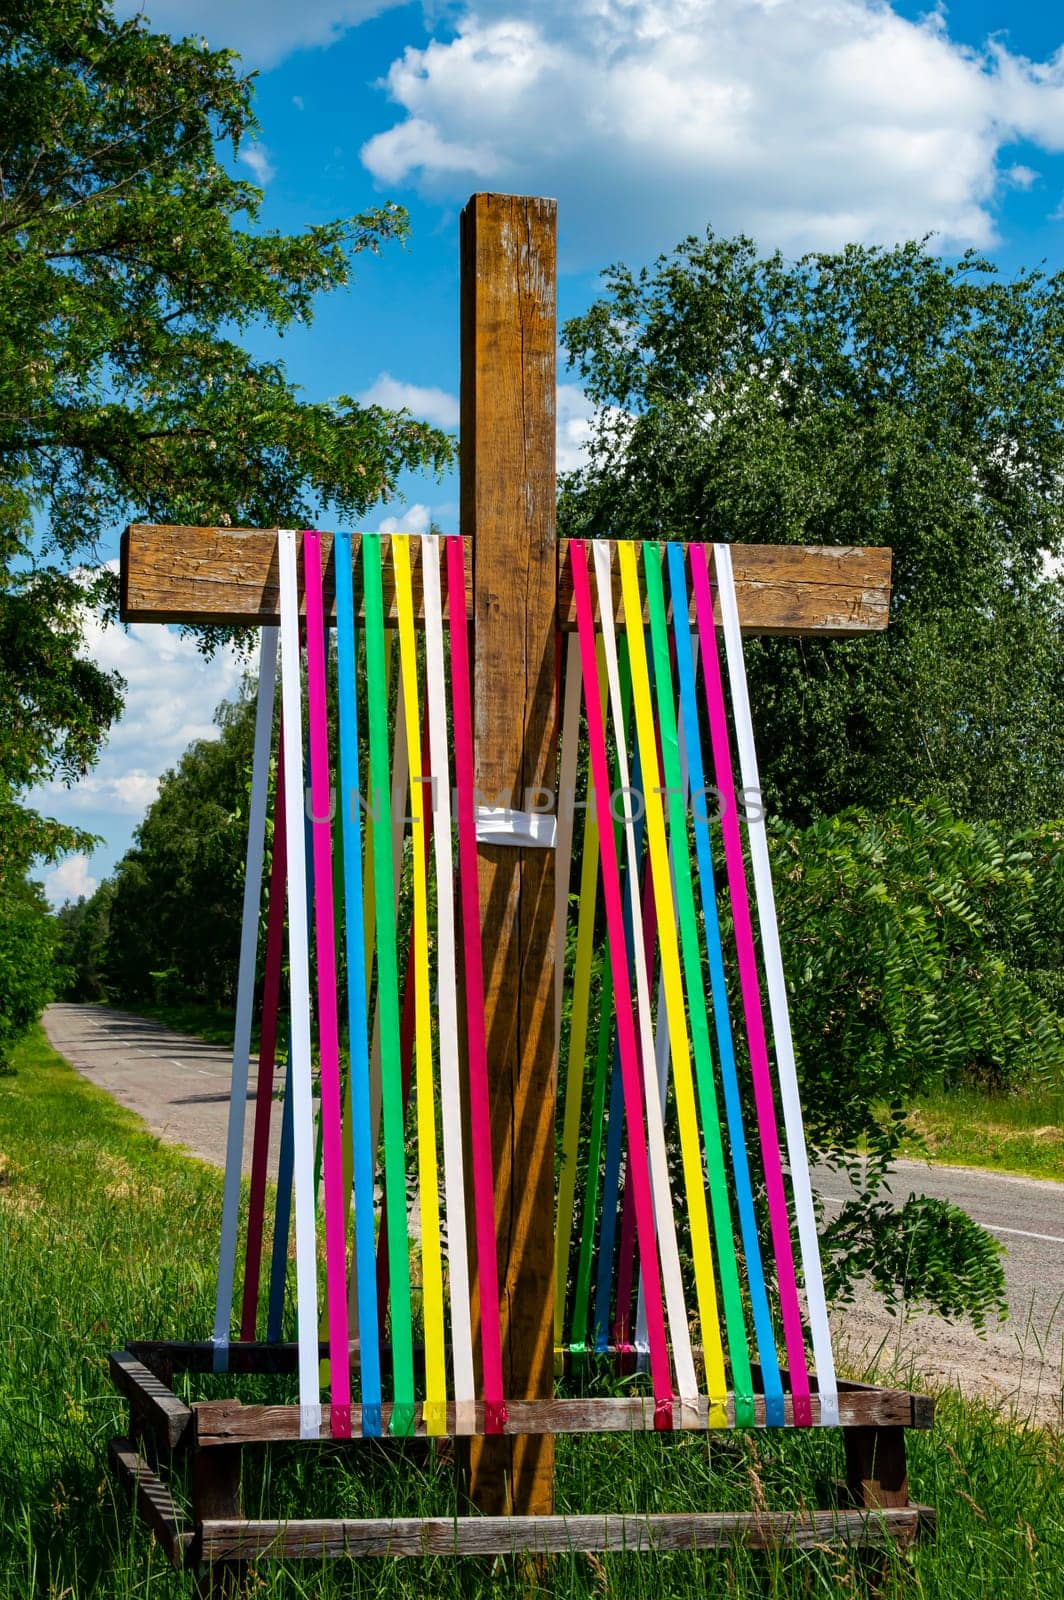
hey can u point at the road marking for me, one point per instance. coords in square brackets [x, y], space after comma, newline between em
[1022, 1233]
[991, 1227]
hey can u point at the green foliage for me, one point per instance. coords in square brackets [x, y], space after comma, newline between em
[870, 397]
[131, 261]
[1007, 1130]
[83, 928]
[917, 949]
[27, 961]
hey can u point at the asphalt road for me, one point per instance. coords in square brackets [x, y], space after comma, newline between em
[177, 1083]
[1019, 1362]
[180, 1086]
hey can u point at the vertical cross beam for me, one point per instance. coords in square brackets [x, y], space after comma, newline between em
[508, 249]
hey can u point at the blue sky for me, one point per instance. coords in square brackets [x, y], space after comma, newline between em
[803, 122]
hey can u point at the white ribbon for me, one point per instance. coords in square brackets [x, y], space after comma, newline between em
[299, 988]
[664, 1216]
[245, 993]
[777, 994]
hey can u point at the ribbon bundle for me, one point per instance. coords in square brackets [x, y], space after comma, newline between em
[670, 1134]
[664, 1063]
[335, 880]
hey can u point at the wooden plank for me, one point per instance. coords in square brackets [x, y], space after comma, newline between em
[197, 1355]
[153, 1500]
[555, 1535]
[786, 590]
[155, 1408]
[227, 1421]
[921, 1406]
[260, 1357]
[507, 443]
[228, 576]
[216, 1496]
[876, 1473]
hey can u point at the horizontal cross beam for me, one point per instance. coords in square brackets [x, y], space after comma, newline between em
[228, 577]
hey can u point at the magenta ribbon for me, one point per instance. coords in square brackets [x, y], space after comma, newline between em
[622, 991]
[328, 1032]
[753, 1010]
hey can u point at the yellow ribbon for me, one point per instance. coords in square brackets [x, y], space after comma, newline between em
[435, 1408]
[679, 1042]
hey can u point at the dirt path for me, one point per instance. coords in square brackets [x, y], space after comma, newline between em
[180, 1086]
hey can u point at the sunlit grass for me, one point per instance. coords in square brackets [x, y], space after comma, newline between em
[106, 1234]
[1020, 1132]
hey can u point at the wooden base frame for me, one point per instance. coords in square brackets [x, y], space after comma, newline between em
[873, 1512]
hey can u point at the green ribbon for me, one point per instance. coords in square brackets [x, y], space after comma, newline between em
[582, 1293]
[727, 1261]
[402, 1421]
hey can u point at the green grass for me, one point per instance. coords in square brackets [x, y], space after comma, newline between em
[1022, 1132]
[106, 1234]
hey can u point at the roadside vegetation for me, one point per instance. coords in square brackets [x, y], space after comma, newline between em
[1022, 1132]
[107, 1234]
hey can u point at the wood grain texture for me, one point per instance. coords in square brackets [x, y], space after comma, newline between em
[154, 1407]
[228, 576]
[876, 1472]
[224, 576]
[550, 1535]
[781, 589]
[228, 1422]
[507, 446]
[153, 1500]
[216, 1478]
[198, 1356]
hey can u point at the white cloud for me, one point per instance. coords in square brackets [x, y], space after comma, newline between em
[805, 124]
[257, 157]
[70, 880]
[575, 412]
[172, 692]
[415, 519]
[430, 405]
[263, 32]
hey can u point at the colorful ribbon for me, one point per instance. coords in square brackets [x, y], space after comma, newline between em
[479, 1104]
[637, 1149]
[245, 994]
[402, 1419]
[772, 956]
[362, 1151]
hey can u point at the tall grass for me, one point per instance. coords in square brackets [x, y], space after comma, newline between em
[1020, 1131]
[106, 1234]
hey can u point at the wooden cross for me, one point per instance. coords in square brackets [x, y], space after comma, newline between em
[517, 596]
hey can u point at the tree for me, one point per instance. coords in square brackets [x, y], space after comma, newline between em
[175, 898]
[83, 929]
[870, 397]
[131, 259]
[27, 961]
[921, 951]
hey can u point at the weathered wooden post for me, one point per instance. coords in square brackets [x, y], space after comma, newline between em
[508, 251]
